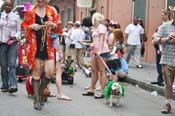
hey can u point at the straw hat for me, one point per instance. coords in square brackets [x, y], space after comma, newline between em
[78, 22]
[70, 23]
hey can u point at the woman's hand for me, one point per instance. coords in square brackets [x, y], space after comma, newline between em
[36, 27]
[98, 53]
[50, 24]
[171, 36]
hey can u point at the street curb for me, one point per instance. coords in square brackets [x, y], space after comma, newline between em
[146, 86]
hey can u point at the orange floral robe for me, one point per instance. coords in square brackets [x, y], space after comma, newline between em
[31, 43]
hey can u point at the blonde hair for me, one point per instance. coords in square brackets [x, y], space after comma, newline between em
[97, 17]
[167, 13]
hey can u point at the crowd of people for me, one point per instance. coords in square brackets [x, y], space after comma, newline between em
[104, 38]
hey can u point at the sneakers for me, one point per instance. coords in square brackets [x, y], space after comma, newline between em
[139, 66]
[155, 83]
[158, 83]
[166, 109]
[13, 89]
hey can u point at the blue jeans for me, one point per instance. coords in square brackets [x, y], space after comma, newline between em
[159, 68]
[8, 57]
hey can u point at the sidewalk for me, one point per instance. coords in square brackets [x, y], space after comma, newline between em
[143, 77]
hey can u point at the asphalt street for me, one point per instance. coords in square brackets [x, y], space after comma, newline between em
[137, 102]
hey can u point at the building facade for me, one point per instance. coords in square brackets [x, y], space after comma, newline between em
[123, 11]
[67, 10]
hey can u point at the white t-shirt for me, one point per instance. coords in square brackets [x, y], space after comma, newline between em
[134, 32]
[77, 36]
[67, 36]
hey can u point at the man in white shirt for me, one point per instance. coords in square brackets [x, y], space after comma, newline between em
[67, 39]
[77, 38]
[134, 34]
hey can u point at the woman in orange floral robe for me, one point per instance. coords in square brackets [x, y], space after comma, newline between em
[38, 23]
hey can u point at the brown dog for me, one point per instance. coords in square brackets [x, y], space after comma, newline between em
[29, 89]
[46, 94]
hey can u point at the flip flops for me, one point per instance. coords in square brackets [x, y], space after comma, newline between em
[88, 93]
[99, 96]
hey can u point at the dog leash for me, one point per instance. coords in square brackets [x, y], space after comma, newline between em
[104, 63]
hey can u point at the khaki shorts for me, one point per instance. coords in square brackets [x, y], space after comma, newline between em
[68, 51]
[168, 74]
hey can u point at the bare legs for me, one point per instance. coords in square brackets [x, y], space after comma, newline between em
[97, 67]
[38, 85]
[59, 82]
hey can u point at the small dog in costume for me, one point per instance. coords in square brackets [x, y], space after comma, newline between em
[113, 90]
[29, 89]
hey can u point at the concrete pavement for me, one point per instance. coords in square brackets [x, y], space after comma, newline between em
[137, 102]
[143, 77]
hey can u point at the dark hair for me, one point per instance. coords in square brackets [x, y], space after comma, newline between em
[57, 8]
[141, 22]
[115, 25]
[107, 20]
[87, 21]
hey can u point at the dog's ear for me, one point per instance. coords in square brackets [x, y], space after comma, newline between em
[121, 92]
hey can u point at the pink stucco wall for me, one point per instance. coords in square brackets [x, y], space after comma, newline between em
[80, 13]
[121, 11]
[153, 20]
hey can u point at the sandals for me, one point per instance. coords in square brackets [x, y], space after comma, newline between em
[166, 109]
[88, 93]
[64, 97]
[99, 96]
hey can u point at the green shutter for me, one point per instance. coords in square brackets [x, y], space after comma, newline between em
[170, 3]
[140, 9]
[62, 18]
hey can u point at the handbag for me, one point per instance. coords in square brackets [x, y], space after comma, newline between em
[72, 45]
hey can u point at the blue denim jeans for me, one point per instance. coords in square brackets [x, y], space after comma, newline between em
[8, 57]
[159, 68]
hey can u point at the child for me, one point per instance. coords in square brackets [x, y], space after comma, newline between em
[114, 62]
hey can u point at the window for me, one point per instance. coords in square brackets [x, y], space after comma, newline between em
[21, 2]
[62, 13]
[170, 3]
[69, 14]
[140, 9]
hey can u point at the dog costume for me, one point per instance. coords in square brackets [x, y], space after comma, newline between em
[108, 88]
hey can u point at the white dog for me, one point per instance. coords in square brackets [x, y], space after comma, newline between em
[115, 92]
